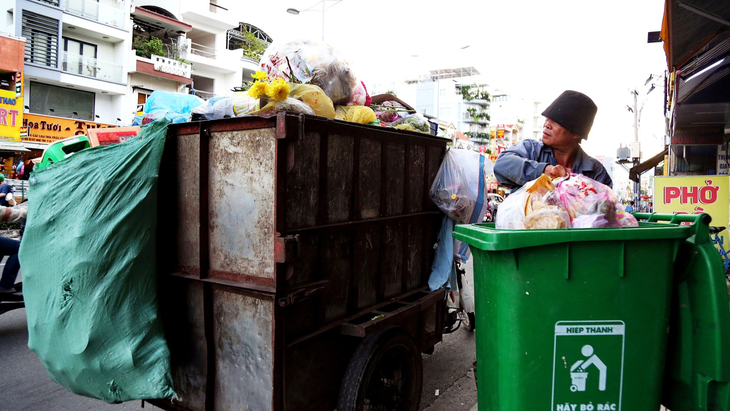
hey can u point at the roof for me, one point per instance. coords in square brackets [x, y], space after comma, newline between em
[696, 38]
[689, 28]
[639, 169]
[12, 146]
[454, 73]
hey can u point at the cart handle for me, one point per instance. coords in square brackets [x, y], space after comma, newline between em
[700, 222]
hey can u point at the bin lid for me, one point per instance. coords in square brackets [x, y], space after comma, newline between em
[485, 237]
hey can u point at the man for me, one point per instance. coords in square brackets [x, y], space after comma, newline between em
[4, 190]
[568, 121]
[629, 208]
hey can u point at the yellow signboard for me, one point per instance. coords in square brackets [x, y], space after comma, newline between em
[47, 129]
[11, 113]
[695, 195]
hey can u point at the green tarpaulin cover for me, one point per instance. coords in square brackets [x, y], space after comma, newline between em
[89, 271]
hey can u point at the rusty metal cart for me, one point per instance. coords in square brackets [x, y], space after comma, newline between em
[294, 255]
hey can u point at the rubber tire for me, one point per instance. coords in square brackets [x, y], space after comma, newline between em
[365, 361]
[471, 325]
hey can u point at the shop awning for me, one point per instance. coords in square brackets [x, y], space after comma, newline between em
[12, 146]
[32, 145]
[690, 27]
[639, 169]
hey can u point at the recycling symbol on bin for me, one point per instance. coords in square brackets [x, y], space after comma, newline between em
[580, 370]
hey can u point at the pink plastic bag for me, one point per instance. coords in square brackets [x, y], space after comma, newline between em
[591, 204]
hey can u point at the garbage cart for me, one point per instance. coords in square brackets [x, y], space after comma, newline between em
[294, 255]
[577, 319]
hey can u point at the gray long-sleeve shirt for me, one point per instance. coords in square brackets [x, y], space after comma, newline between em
[527, 161]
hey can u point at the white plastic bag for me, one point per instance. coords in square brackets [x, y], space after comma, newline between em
[460, 188]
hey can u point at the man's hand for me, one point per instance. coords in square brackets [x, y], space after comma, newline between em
[556, 171]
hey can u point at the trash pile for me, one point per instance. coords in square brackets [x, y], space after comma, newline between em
[306, 77]
[575, 201]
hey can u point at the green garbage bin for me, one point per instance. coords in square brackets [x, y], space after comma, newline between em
[573, 319]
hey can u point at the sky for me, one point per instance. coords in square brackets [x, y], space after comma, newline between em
[531, 49]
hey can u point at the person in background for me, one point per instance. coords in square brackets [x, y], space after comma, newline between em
[629, 208]
[568, 121]
[650, 207]
[10, 248]
[4, 190]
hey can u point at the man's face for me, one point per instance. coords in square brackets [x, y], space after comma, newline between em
[555, 135]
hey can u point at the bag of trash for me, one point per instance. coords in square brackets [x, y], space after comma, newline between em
[592, 204]
[90, 271]
[311, 62]
[355, 114]
[177, 103]
[290, 105]
[535, 205]
[315, 98]
[460, 189]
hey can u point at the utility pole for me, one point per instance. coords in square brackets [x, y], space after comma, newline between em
[636, 160]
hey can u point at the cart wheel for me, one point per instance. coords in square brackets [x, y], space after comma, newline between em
[384, 374]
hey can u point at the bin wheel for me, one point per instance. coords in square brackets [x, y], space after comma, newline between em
[385, 373]
[574, 388]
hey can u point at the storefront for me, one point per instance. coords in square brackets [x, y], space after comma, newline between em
[11, 118]
[697, 92]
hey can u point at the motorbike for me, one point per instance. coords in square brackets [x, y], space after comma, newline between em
[12, 301]
[459, 302]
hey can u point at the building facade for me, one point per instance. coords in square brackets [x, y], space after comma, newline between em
[96, 62]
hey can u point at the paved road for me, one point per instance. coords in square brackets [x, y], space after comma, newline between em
[25, 385]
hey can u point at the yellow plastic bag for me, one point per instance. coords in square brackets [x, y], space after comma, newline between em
[355, 114]
[315, 98]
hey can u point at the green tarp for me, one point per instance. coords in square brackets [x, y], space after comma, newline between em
[88, 262]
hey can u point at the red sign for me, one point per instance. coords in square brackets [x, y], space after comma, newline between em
[698, 135]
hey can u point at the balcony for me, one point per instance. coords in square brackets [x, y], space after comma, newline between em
[91, 67]
[201, 50]
[96, 11]
[481, 118]
[171, 66]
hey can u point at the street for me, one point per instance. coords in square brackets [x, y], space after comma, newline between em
[448, 380]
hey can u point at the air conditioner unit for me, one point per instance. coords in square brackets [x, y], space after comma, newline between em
[635, 149]
[623, 153]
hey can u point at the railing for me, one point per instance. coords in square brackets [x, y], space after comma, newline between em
[91, 67]
[172, 66]
[51, 2]
[203, 51]
[105, 14]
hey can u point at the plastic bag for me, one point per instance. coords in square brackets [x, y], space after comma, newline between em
[290, 105]
[177, 103]
[534, 206]
[415, 122]
[90, 275]
[591, 204]
[155, 115]
[359, 95]
[214, 109]
[460, 189]
[225, 107]
[388, 115]
[315, 98]
[311, 62]
[355, 114]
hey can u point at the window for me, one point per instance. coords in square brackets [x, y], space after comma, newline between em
[79, 57]
[41, 39]
[61, 101]
[141, 100]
